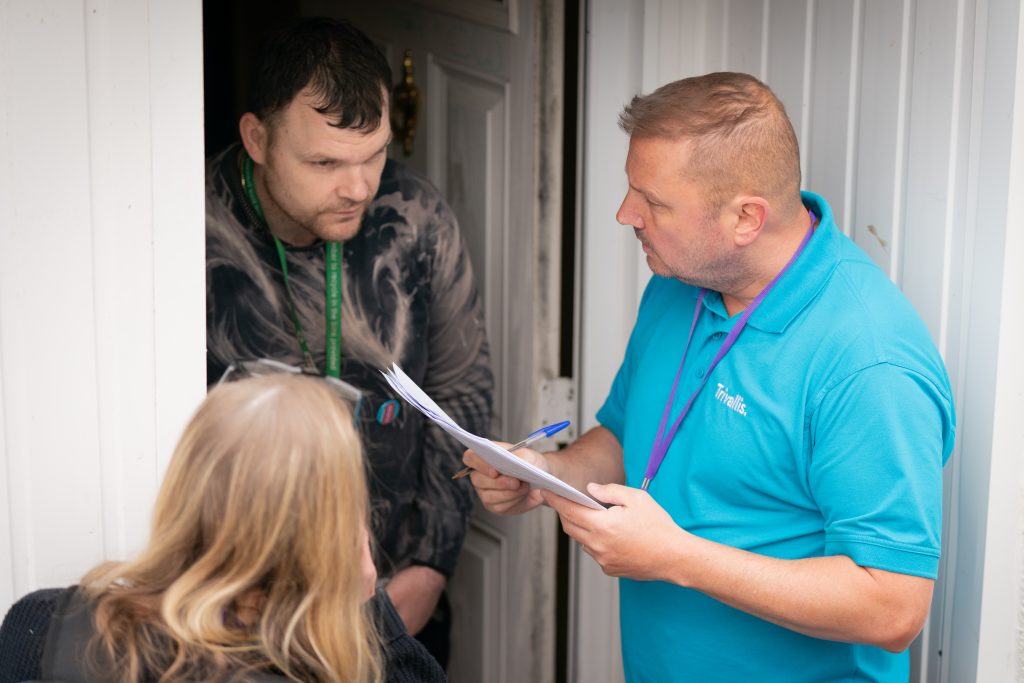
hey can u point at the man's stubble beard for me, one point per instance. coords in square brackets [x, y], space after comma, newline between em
[312, 225]
[331, 234]
[724, 273]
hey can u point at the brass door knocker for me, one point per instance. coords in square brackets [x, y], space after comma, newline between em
[405, 106]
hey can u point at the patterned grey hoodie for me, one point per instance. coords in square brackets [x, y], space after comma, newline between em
[409, 297]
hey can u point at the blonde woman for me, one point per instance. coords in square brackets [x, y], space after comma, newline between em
[258, 565]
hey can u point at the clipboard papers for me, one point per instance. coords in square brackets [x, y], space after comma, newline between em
[502, 460]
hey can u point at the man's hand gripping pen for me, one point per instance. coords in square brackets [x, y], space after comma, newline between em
[542, 433]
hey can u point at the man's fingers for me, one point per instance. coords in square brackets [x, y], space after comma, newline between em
[503, 494]
[575, 518]
[551, 500]
[614, 494]
[473, 460]
[562, 506]
[484, 482]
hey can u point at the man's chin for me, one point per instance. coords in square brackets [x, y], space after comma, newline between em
[657, 266]
[339, 230]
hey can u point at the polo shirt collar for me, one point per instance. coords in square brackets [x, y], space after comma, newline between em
[802, 282]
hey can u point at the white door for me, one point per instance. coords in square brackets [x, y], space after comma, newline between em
[489, 121]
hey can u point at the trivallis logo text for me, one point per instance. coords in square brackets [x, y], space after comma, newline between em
[731, 401]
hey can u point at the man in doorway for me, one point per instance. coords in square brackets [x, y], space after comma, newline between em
[323, 253]
[771, 450]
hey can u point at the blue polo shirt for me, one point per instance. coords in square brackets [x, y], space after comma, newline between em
[822, 432]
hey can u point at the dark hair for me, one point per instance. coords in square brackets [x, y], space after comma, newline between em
[344, 70]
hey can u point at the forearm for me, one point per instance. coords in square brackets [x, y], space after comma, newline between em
[594, 457]
[414, 591]
[823, 597]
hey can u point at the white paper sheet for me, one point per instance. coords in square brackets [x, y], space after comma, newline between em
[502, 460]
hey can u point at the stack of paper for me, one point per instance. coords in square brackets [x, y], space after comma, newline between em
[502, 460]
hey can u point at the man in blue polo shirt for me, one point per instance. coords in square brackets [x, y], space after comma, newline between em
[772, 447]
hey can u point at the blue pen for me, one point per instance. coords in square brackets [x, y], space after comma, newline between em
[542, 433]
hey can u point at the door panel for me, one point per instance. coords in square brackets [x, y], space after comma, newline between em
[467, 158]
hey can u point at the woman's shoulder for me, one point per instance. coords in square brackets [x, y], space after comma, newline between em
[38, 606]
[54, 625]
[24, 631]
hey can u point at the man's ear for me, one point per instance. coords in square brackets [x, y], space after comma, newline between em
[255, 136]
[751, 216]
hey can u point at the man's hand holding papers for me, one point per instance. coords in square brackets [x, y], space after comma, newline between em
[502, 494]
[515, 468]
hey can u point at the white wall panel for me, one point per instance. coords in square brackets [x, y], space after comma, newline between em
[119, 134]
[683, 50]
[880, 108]
[787, 67]
[716, 30]
[937, 161]
[175, 31]
[46, 283]
[101, 277]
[833, 73]
[991, 445]
[1000, 654]
[743, 40]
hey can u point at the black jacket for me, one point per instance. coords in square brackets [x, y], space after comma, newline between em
[43, 632]
[409, 297]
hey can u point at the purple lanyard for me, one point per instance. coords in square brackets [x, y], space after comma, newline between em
[662, 441]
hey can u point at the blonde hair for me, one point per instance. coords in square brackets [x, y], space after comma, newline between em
[265, 494]
[741, 140]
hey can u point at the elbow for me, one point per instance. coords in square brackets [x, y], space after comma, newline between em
[900, 610]
[897, 634]
[898, 643]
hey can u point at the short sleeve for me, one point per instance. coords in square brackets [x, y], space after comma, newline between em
[878, 442]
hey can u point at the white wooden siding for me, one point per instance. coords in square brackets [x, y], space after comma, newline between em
[102, 341]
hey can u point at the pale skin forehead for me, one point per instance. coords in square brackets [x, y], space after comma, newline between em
[308, 134]
[655, 167]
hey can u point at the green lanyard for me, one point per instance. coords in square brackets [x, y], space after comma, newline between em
[332, 256]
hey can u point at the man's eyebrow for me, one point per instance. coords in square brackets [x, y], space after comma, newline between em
[647, 194]
[314, 156]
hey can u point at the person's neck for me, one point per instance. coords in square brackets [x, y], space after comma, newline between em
[280, 225]
[777, 252]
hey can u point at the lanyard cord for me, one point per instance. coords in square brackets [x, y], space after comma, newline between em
[662, 440]
[332, 257]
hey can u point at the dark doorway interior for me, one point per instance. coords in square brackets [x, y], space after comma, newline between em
[231, 31]
[570, 213]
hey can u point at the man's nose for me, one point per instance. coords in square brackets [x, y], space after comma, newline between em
[354, 185]
[627, 215]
